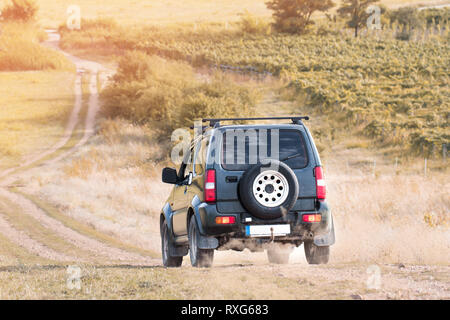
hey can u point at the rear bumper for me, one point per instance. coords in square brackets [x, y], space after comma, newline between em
[321, 232]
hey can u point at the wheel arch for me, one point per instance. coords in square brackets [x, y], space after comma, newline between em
[193, 211]
[166, 214]
[189, 216]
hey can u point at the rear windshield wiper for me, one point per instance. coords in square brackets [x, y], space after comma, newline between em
[287, 158]
[292, 157]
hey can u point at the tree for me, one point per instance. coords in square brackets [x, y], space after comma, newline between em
[356, 11]
[406, 16]
[294, 16]
[20, 10]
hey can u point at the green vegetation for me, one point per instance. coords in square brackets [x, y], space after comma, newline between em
[252, 24]
[435, 16]
[296, 16]
[394, 92]
[20, 38]
[168, 94]
[356, 12]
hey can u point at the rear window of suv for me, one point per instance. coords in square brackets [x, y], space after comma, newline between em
[258, 146]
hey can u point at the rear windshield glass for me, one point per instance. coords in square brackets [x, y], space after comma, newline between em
[246, 148]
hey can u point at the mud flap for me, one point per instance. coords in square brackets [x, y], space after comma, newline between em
[207, 242]
[178, 251]
[326, 239]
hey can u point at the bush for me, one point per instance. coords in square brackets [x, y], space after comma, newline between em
[20, 10]
[295, 16]
[251, 24]
[20, 50]
[134, 66]
[406, 16]
[219, 98]
[167, 94]
[435, 16]
[403, 35]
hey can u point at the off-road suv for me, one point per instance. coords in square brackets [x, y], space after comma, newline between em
[259, 187]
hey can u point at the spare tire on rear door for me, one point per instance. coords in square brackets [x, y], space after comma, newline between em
[269, 190]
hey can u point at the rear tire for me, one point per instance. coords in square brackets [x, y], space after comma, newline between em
[168, 261]
[200, 258]
[315, 254]
[278, 255]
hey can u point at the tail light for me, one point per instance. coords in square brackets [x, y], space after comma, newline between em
[321, 189]
[225, 220]
[210, 186]
[312, 218]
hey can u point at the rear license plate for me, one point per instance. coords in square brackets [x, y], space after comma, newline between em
[268, 230]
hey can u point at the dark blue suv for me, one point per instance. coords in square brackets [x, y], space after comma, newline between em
[259, 187]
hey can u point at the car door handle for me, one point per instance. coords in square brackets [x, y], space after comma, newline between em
[231, 179]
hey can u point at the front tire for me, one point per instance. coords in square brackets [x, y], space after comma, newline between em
[168, 260]
[315, 254]
[200, 258]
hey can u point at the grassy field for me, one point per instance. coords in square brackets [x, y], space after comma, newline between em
[154, 12]
[170, 11]
[36, 92]
[98, 208]
[240, 281]
[113, 187]
[20, 49]
[33, 105]
[377, 87]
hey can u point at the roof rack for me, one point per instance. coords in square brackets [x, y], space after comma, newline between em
[216, 122]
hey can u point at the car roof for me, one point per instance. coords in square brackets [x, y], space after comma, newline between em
[261, 126]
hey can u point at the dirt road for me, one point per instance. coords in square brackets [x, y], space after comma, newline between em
[11, 225]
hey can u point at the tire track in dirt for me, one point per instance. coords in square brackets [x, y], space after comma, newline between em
[82, 66]
[78, 240]
[73, 120]
[22, 239]
[75, 238]
[89, 126]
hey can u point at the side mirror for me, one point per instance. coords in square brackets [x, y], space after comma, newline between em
[169, 175]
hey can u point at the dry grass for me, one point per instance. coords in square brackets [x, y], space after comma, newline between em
[110, 184]
[388, 218]
[342, 281]
[114, 185]
[33, 105]
[120, 194]
[85, 229]
[111, 190]
[108, 282]
[156, 12]
[20, 50]
[22, 221]
[12, 254]
[172, 11]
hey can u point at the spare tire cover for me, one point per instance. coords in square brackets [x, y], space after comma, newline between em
[269, 190]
